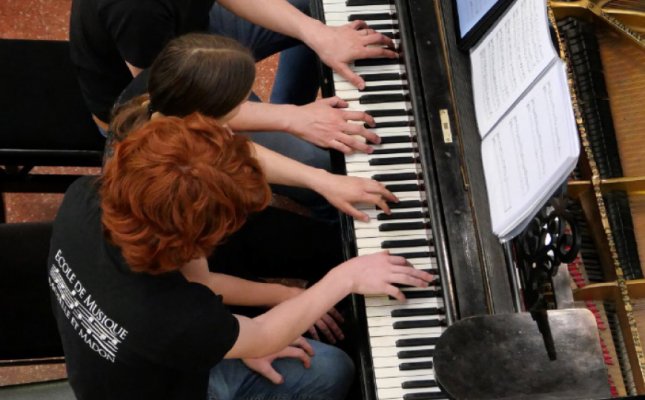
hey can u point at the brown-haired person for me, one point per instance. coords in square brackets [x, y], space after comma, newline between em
[184, 79]
[213, 75]
[200, 72]
[140, 315]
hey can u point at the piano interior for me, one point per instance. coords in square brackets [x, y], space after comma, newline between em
[606, 53]
[603, 44]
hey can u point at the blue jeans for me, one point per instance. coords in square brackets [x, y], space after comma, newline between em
[297, 77]
[329, 378]
[296, 82]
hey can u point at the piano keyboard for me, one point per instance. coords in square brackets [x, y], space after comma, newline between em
[402, 336]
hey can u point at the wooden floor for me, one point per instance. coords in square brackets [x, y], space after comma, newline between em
[49, 19]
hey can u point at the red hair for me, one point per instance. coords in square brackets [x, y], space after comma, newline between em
[175, 188]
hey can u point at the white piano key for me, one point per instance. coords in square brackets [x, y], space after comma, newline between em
[375, 243]
[390, 331]
[383, 311]
[365, 15]
[390, 341]
[398, 381]
[371, 233]
[369, 175]
[374, 301]
[374, 213]
[331, 8]
[383, 362]
[391, 393]
[374, 223]
[387, 320]
[390, 372]
[400, 105]
[392, 351]
[345, 85]
[359, 166]
[355, 94]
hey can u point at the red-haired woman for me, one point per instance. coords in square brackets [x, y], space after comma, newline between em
[141, 316]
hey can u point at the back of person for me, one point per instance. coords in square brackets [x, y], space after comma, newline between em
[104, 34]
[126, 334]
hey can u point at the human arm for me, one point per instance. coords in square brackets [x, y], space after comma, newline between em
[343, 192]
[237, 291]
[371, 274]
[336, 46]
[325, 123]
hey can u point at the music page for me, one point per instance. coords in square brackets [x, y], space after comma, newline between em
[530, 152]
[508, 59]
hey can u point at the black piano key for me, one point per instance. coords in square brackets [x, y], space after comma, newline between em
[390, 124]
[377, 62]
[358, 3]
[422, 294]
[403, 176]
[383, 27]
[415, 365]
[406, 204]
[426, 341]
[431, 271]
[389, 76]
[382, 98]
[402, 226]
[397, 139]
[392, 35]
[424, 323]
[419, 384]
[425, 396]
[391, 151]
[405, 187]
[396, 244]
[418, 254]
[380, 88]
[402, 215]
[401, 112]
[415, 312]
[415, 354]
[434, 282]
[393, 161]
[372, 17]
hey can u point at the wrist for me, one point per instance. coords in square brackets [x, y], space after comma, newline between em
[341, 278]
[289, 292]
[288, 120]
[311, 32]
[317, 180]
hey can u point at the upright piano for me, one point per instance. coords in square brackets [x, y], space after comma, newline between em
[430, 158]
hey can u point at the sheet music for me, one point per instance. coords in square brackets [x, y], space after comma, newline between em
[530, 152]
[508, 59]
[470, 12]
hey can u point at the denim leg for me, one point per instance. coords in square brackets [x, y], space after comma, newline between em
[329, 378]
[304, 152]
[297, 77]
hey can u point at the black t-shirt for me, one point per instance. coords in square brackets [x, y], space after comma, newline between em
[103, 33]
[128, 335]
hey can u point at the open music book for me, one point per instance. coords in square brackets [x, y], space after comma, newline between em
[523, 108]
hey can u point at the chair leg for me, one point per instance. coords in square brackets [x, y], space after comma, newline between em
[3, 216]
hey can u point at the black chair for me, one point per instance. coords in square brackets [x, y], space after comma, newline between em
[29, 335]
[43, 118]
[29, 329]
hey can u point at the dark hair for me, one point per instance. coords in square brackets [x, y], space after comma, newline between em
[204, 73]
[175, 188]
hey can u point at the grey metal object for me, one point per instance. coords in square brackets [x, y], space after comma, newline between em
[503, 357]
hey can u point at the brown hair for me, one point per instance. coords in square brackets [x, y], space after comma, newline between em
[204, 73]
[175, 188]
